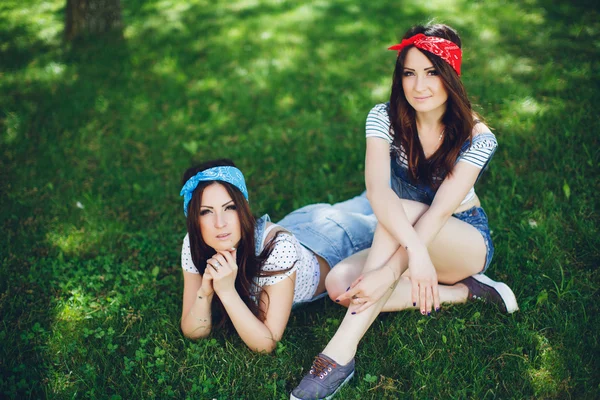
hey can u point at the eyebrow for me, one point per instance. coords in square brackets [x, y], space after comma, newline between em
[424, 69]
[230, 201]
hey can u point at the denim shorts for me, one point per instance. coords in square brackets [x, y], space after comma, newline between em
[336, 231]
[476, 217]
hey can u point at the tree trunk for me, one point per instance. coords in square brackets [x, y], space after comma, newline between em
[92, 17]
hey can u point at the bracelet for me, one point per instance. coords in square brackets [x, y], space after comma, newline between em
[393, 273]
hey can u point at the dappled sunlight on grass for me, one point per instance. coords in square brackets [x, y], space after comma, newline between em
[547, 371]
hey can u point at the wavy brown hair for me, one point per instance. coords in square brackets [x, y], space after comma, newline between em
[249, 264]
[458, 120]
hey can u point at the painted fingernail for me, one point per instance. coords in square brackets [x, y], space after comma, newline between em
[428, 313]
[337, 301]
[438, 309]
[353, 312]
[414, 304]
[348, 288]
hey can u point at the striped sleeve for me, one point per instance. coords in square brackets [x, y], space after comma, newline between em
[481, 150]
[378, 123]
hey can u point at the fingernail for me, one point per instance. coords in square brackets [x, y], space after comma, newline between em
[428, 313]
[353, 312]
[337, 301]
[438, 309]
[348, 288]
[422, 312]
[414, 304]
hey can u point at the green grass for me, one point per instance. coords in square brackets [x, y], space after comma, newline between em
[94, 139]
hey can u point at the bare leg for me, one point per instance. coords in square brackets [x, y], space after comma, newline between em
[349, 269]
[457, 252]
[344, 343]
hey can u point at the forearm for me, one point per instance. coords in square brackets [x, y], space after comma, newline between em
[430, 224]
[390, 213]
[257, 336]
[197, 323]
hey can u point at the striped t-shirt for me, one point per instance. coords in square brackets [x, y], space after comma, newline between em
[482, 146]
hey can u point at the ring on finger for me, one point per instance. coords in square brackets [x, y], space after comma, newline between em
[216, 265]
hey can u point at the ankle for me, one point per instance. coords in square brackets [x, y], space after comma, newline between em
[341, 355]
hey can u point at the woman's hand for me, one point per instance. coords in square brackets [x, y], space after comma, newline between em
[424, 281]
[223, 270]
[368, 288]
[206, 289]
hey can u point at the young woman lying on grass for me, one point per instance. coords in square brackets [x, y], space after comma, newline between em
[250, 271]
[429, 143]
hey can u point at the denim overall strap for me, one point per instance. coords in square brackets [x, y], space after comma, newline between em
[259, 229]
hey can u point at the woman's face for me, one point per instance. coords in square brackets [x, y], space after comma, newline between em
[219, 219]
[422, 85]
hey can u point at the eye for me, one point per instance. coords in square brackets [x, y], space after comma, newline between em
[204, 212]
[433, 72]
[231, 207]
[407, 73]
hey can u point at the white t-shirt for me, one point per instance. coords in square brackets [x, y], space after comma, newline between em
[287, 253]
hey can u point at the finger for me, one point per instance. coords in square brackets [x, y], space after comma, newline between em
[213, 266]
[364, 306]
[423, 297]
[357, 281]
[414, 292]
[219, 257]
[348, 295]
[227, 256]
[429, 305]
[436, 296]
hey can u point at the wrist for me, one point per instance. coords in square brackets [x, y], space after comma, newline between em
[201, 296]
[225, 295]
[414, 248]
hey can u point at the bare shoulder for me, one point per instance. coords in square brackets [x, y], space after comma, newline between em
[480, 128]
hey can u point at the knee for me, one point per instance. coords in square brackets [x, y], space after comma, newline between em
[336, 284]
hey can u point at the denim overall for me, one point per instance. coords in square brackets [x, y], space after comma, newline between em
[333, 232]
[475, 216]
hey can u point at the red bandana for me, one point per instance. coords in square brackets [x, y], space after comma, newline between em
[445, 49]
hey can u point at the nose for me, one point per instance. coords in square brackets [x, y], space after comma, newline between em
[420, 83]
[220, 221]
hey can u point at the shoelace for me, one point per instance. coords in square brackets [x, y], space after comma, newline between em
[321, 365]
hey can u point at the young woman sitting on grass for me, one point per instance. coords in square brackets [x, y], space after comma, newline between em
[250, 271]
[429, 143]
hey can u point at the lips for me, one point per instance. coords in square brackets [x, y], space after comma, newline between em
[223, 236]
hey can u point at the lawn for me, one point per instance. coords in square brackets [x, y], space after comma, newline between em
[94, 139]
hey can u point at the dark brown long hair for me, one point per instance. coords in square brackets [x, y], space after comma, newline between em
[458, 119]
[249, 264]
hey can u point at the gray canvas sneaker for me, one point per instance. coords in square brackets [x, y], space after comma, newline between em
[323, 380]
[483, 288]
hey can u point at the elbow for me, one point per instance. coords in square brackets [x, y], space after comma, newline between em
[266, 347]
[195, 334]
[371, 193]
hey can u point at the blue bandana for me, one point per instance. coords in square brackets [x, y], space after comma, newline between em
[225, 174]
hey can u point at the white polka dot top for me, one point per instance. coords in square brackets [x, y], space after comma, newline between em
[286, 251]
